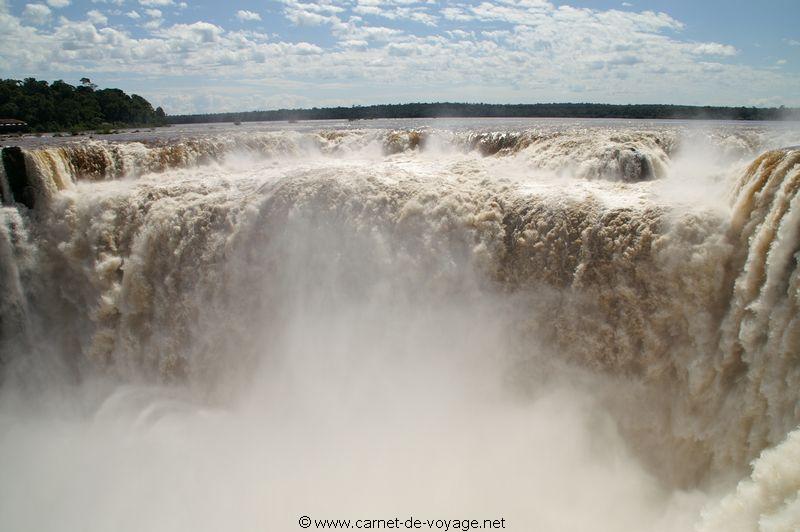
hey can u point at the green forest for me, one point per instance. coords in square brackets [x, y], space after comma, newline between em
[63, 107]
[539, 110]
[59, 106]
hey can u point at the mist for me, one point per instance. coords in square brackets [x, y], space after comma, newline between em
[372, 404]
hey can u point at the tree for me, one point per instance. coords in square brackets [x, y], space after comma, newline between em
[86, 82]
[60, 106]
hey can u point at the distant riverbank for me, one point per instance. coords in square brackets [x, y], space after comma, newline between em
[484, 110]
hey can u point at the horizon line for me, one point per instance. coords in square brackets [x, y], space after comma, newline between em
[487, 104]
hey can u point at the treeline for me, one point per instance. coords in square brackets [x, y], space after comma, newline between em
[62, 107]
[539, 110]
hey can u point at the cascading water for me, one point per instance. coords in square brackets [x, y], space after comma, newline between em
[568, 326]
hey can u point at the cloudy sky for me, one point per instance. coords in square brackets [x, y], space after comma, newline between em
[215, 55]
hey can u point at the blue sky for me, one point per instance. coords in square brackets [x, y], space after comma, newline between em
[204, 56]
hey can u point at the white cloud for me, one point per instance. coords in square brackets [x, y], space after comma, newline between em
[517, 51]
[325, 8]
[158, 3]
[96, 17]
[781, 62]
[244, 15]
[455, 13]
[311, 14]
[415, 14]
[305, 18]
[58, 3]
[153, 24]
[792, 42]
[353, 43]
[713, 48]
[36, 13]
[198, 32]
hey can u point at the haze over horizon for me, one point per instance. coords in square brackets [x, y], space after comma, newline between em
[246, 55]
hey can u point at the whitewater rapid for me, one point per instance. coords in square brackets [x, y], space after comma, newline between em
[572, 326]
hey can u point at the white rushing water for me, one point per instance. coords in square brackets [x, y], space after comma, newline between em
[568, 325]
